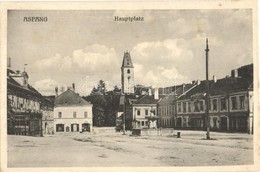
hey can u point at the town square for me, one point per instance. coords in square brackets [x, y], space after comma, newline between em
[130, 88]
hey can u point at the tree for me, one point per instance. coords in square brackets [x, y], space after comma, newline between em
[105, 104]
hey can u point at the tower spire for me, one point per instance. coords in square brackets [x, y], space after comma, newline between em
[127, 74]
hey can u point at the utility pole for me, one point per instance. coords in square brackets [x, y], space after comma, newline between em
[207, 89]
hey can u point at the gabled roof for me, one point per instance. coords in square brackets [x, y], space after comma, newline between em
[14, 85]
[179, 90]
[70, 98]
[168, 98]
[127, 61]
[222, 86]
[197, 90]
[147, 99]
[230, 85]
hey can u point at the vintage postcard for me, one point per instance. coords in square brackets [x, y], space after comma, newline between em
[142, 86]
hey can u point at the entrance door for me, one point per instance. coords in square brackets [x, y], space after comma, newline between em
[223, 123]
[74, 127]
[179, 121]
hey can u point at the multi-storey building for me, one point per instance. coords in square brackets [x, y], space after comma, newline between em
[24, 114]
[72, 113]
[230, 104]
[144, 111]
[47, 115]
[167, 105]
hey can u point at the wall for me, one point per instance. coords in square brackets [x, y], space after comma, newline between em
[141, 119]
[67, 116]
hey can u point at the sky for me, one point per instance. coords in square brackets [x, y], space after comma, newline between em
[167, 48]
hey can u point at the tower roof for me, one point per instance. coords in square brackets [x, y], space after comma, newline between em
[127, 61]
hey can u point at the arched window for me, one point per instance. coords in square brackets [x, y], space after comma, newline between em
[128, 71]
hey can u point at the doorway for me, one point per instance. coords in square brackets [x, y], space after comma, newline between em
[223, 123]
[74, 127]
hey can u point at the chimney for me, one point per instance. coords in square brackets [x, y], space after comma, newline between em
[150, 91]
[156, 93]
[198, 82]
[234, 73]
[73, 87]
[214, 78]
[25, 79]
[56, 91]
[183, 88]
[62, 89]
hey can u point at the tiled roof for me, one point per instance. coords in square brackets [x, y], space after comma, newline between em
[199, 89]
[222, 86]
[127, 61]
[229, 85]
[70, 98]
[14, 85]
[147, 99]
[167, 98]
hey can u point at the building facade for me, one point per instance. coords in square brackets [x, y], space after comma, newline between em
[72, 113]
[167, 105]
[144, 111]
[230, 105]
[24, 114]
[47, 108]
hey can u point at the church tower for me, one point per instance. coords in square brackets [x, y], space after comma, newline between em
[127, 74]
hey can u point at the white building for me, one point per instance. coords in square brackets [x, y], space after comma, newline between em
[145, 111]
[72, 113]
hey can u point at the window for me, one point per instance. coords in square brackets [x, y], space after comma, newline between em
[142, 123]
[234, 102]
[210, 103]
[59, 127]
[201, 106]
[146, 112]
[196, 107]
[184, 122]
[85, 114]
[189, 106]
[215, 105]
[179, 107]
[242, 102]
[60, 115]
[128, 71]
[184, 107]
[189, 122]
[138, 112]
[74, 115]
[215, 122]
[223, 104]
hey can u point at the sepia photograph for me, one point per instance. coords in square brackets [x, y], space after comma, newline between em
[129, 87]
